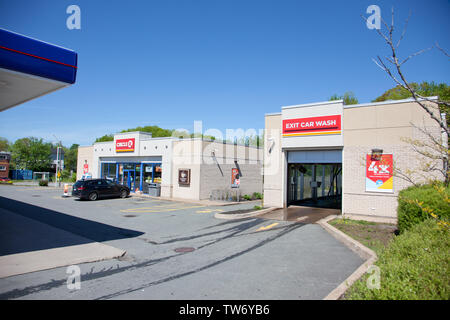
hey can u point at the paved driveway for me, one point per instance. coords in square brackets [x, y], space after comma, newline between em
[178, 250]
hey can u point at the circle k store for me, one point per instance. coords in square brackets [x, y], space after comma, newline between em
[190, 168]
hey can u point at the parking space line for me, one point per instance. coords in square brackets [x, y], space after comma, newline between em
[158, 209]
[209, 210]
[268, 227]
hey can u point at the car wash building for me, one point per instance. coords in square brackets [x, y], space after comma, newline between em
[333, 155]
[185, 168]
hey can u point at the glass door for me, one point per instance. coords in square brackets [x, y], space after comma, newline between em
[129, 179]
[314, 184]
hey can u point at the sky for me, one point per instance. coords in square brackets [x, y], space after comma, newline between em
[223, 62]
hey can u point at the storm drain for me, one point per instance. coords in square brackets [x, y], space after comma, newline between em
[130, 215]
[184, 249]
[35, 195]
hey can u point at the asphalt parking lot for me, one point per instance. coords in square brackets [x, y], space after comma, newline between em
[174, 250]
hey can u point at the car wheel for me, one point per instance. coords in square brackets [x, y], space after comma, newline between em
[93, 196]
[123, 194]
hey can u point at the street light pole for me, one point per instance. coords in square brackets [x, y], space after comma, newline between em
[58, 164]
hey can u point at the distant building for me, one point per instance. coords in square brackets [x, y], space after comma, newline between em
[5, 158]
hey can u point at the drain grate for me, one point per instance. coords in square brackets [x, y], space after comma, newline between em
[35, 195]
[130, 215]
[184, 249]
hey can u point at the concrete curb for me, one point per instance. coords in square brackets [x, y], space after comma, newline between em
[21, 263]
[365, 253]
[243, 215]
[387, 220]
[200, 202]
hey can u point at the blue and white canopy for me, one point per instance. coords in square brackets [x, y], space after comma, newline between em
[30, 68]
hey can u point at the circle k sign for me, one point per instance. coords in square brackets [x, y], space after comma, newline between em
[125, 145]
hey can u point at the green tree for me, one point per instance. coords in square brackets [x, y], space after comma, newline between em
[31, 153]
[348, 97]
[4, 144]
[154, 130]
[70, 157]
[106, 137]
[426, 89]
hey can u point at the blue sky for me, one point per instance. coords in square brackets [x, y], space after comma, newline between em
[223, 62]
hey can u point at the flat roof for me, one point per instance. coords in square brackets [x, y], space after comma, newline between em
[369, 104]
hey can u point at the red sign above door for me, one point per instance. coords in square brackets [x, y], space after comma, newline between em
[125, 145]
[312, 126]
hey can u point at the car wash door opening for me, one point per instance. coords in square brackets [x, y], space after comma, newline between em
[315, 185]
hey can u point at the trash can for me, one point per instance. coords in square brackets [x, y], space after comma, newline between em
[154, 189]
[145, 187]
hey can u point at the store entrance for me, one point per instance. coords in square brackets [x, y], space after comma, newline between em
[315, 184]
[129, 178]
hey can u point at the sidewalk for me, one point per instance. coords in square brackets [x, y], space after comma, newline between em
[34, 183]
[201, 202]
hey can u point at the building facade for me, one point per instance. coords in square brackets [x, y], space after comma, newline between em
[190, 168]
[5, 158]
[345, 156]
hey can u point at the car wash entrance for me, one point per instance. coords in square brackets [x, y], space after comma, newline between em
[315, 178]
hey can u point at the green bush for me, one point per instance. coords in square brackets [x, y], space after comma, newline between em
[247, 197]
[43, 183]
[257, 195]
[414, 266]
[415, 204]
[73, 178]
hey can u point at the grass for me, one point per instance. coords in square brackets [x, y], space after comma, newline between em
[413, 265]
[375, 236]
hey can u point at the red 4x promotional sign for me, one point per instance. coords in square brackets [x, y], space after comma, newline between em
[125, 145]
[379, 173]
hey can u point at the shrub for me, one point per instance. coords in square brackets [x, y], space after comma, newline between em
[43, 183]
[73, 178]
[257, 195]
[415, 265]
[417, 203]
[247, 197]
[257, 207]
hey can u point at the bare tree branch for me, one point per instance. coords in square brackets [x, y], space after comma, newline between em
[415, 54]
[404, 29]
[442, 50]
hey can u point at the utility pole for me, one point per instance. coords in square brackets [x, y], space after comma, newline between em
[58, 162]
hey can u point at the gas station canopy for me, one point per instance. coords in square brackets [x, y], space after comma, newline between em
[30, 68]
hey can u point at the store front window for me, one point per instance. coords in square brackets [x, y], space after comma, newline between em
[109, 171]
[136, 176]
[151, 174]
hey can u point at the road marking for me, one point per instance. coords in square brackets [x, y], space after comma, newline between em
[209, 210]
[157, 209]
[268, 227]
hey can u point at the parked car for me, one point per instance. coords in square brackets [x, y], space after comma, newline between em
[94, 189]
[6, 180]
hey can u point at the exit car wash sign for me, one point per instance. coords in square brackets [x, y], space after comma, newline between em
[379, 173]
[312, 126]
[125, 145]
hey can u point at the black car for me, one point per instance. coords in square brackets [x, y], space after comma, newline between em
[94, 189]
